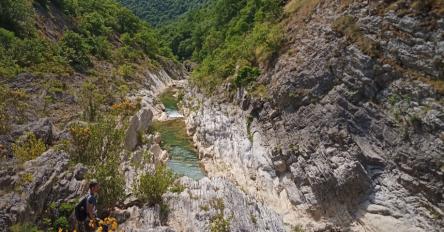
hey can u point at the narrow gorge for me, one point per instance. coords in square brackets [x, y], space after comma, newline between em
[225, 115]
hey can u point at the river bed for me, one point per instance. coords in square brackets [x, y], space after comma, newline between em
[184, 159]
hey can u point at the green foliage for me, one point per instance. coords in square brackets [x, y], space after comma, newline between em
[225, 35]
[26, 227]
[297, 228]
[126, 71]
[127, 22]
[246, 76]
[112, 183]
[61, 223]
[99, 145]
[96, 142]
[177, 188]
[218, 222]
[93, 24]
[56, 215]
[94, 34]
[32, 54]
[76, 49]
[12, 107]
[28, 147]
[16, 16]
[159, 12]
[90, 99]
[100, 47]
[66, 208]
[249, 122]
[6, 37]
[151, 187]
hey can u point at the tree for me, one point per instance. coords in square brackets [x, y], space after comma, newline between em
[75, 48]
[127, 22]
[16, 15]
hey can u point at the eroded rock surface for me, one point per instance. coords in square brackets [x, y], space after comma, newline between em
[346, 136]
[194, 209]
[28, 190]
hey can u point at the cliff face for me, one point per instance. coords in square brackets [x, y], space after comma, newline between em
[350, 132]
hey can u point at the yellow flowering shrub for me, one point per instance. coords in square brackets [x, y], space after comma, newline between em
[99, 226]
[80, 139]
[28, 147]
[126, 107]
[109, 222]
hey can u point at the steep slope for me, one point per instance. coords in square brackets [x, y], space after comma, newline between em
[347, 129]
[159, 12]
[71, 75]
[79, 81]
[63, 53]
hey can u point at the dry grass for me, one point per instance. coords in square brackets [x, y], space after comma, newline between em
[346, 25]
[437, 85]
[302, 8]
[414, 7]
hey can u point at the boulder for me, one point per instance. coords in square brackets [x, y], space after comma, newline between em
[43, 129]
[139, 123]
[40, 182]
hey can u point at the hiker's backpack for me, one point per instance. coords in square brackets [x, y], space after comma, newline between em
[80, 210]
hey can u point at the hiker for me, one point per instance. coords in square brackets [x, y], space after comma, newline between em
[86, 210]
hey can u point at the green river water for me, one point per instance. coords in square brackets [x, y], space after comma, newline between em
[183, 156]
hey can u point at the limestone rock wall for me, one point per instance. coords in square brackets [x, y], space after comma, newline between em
[347, 137]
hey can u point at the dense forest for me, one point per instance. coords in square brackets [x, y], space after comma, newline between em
[228, 38]
[101, 29]
[159, 12]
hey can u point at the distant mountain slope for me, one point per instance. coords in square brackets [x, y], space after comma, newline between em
[158, 12]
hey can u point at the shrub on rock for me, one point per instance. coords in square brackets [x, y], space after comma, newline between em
[28, 147]
[151, 187]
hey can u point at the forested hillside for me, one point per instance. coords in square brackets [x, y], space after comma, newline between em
[227, 37]
[100, 29]
[159, 12]
[67, 70]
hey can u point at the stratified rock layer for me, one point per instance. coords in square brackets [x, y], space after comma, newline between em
[346, 137]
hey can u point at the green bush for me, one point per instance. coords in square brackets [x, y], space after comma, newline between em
[112, 184]
[127, 22]
[6, 37]
[90, 99]
[66, 208]
[61, 223]
[28, 147]
[4, 119]
[100, 47]
[297, 228]
[12, 102]
[26, 227]
[218, 222]
[76, 50]
[151, 187]
[93, 24]
[127, 71]
[246, 76]
[148, 42]
[97, 142]
[16, 16]
[29, 52]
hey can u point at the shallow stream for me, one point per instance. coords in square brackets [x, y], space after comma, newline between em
[184, 159]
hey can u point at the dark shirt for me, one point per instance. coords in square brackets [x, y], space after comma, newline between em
[91, 199]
